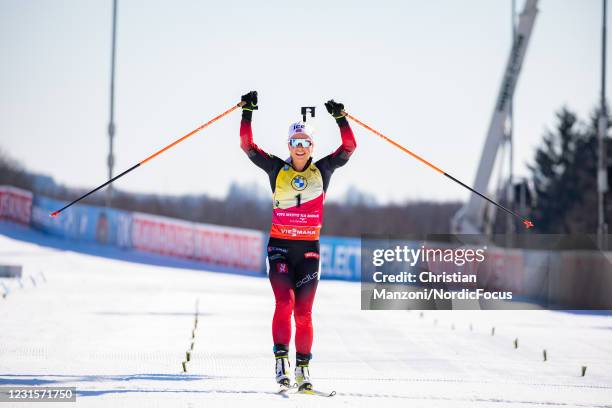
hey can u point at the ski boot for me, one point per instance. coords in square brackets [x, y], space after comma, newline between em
[281, 353]
[302, 372]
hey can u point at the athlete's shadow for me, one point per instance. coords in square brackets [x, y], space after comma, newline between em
[46, 380]
[96, 393]
[66, 380]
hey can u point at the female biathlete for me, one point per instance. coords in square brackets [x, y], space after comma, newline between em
[298, 187]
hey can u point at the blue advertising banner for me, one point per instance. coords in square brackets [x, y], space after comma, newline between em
[340, 258]
[83, 222]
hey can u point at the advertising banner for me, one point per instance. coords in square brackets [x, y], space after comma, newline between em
[15, 204]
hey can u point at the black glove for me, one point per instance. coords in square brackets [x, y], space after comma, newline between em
[335, 108]
[250, 101]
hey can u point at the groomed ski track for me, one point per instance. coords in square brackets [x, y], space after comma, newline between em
[118, 331]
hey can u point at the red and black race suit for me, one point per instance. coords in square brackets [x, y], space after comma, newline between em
[293, 270]
[297, 217]
[298, 196]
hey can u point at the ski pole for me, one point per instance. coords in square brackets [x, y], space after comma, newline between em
[157, 153]
[528, 224]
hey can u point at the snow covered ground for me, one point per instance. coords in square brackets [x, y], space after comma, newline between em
[118, 331]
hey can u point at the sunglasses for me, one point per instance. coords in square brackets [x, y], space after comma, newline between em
[296, 142]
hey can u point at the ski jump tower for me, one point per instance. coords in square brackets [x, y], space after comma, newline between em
[474, 217]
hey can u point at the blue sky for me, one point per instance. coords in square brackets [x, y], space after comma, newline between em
[424, 73]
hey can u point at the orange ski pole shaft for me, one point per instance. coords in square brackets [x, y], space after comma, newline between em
[157, 153]
[527, 223]
[194, 131]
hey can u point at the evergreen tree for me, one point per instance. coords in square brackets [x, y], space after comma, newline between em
[564, 175]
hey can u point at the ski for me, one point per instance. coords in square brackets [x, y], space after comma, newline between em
[283, 390]
[294, 389]
[284, 387]
[316, 392]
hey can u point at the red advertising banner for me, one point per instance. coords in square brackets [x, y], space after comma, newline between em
[15, 204]
[226, 246]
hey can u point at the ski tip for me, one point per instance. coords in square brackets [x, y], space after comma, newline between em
[54, 214]
[316, 392]
[528, 224]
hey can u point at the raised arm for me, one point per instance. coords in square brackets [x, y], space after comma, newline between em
[341, 155]
[255, 154]
[349, 144]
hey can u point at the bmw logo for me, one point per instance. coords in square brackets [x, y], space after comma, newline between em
[299, 183]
